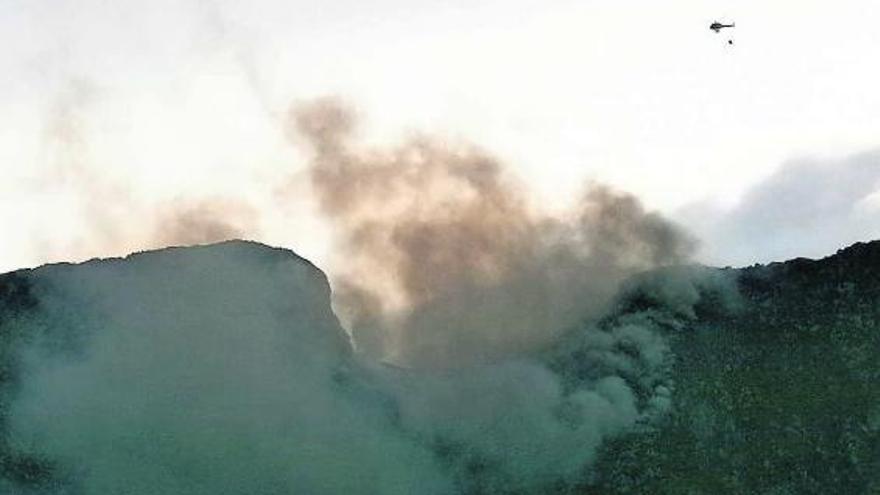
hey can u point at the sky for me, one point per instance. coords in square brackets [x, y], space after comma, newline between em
[125, 125]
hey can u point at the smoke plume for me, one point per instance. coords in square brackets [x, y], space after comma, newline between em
[222, 369]
[484, 357]
[445, 262]
[106, 214]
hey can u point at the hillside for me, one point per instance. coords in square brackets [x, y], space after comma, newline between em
[781, 395]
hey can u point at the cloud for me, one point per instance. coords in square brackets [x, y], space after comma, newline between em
[809, 207]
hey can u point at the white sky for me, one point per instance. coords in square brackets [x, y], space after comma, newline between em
[184, 98]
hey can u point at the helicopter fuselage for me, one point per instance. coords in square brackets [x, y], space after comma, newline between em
[717, 26]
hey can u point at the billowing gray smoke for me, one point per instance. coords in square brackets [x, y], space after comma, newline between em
[447, 263]
[483, 354]
[222, 369]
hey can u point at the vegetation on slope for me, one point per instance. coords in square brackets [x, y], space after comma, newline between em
[782, 396]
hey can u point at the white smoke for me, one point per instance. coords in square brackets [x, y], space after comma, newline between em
[222, 370]
[204, 372]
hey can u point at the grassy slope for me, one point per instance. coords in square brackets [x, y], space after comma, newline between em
[782, 397]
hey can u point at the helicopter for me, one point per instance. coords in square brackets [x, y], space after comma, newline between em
[717, 26]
